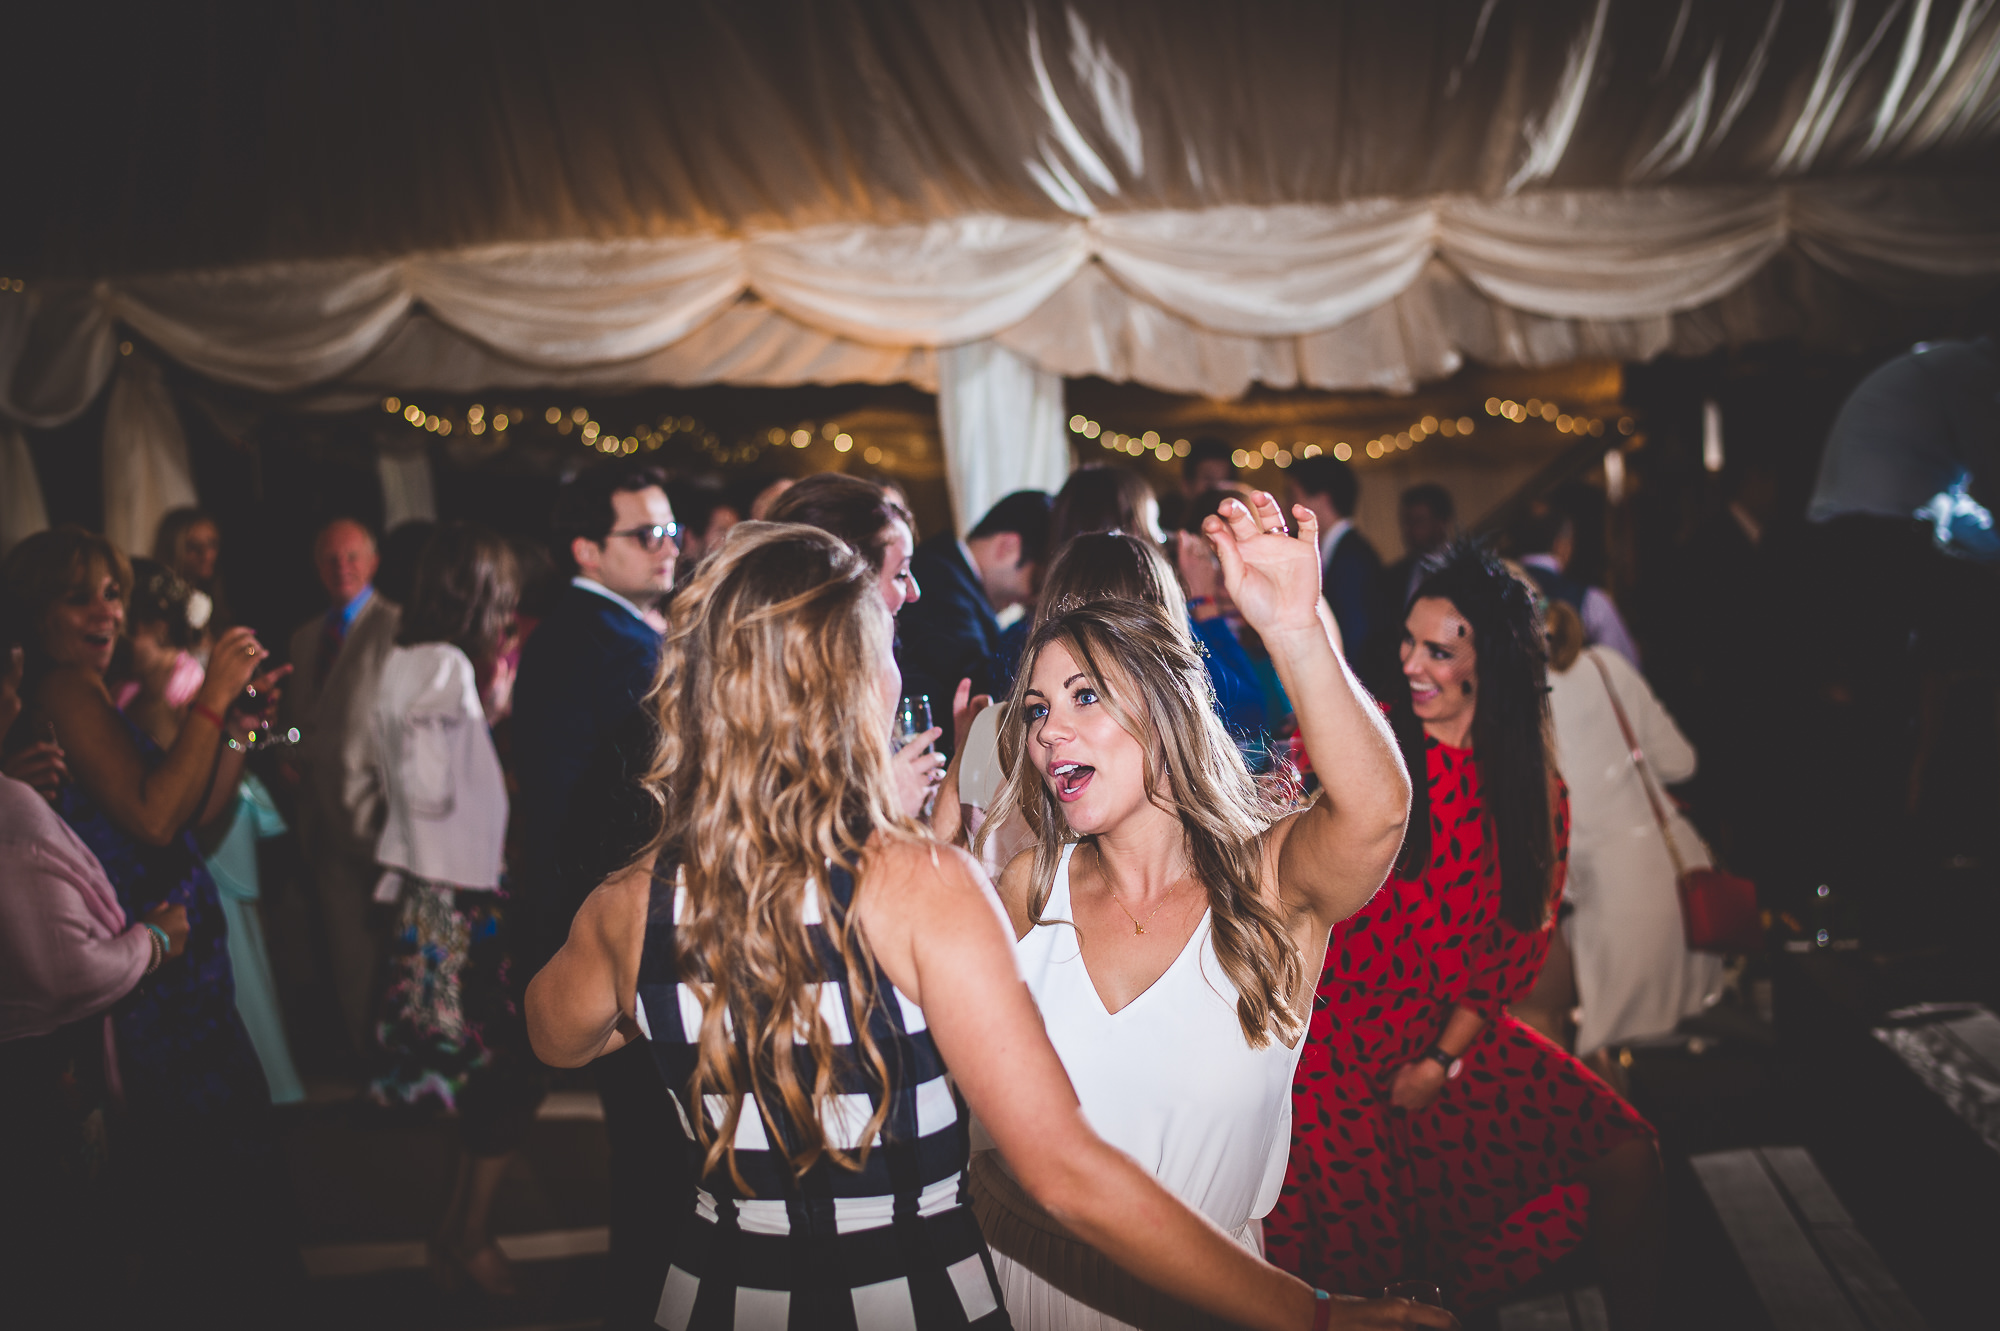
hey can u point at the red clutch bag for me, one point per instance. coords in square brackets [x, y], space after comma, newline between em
[1719, 912]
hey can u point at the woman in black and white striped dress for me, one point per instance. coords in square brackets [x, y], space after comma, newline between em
[806, 963]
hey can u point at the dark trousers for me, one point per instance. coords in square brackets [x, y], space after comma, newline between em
[650, 1182]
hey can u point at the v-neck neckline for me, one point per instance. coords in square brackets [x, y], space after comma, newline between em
[1069, 897]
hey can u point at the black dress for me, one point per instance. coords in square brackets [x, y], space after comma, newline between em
[893, 1244]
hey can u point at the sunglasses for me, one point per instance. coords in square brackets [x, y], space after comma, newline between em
[653, 537]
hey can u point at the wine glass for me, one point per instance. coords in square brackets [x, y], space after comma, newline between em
[1417, 1291]
[913, 718]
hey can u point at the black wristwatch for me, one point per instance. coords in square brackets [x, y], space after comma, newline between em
[1451, 1063]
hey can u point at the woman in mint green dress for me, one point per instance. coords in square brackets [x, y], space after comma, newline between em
[233, 865]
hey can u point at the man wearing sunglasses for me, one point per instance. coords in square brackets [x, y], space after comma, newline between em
[580, 735]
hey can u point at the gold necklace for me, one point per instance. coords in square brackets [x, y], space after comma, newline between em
[1137, 928]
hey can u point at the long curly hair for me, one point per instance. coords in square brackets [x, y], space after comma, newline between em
[773, 763]
[1148, 672]
[1510, 726]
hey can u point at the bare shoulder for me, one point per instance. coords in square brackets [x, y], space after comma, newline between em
[918, 872]
[1017, 884]
[616, 909]
[68, 688]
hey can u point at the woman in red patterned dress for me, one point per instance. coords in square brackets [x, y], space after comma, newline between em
[1434, 1135]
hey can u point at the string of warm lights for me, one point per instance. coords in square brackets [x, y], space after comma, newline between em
[1250, 459]
[1536, 409]
[1382, 445]
[12, 284]
[479, 418]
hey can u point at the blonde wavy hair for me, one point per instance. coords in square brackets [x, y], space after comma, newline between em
[773, 763]
[1148, 672]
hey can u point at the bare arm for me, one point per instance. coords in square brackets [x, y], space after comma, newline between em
[153, 806]
[939, 934]
[581, 1005]
[1333, 855]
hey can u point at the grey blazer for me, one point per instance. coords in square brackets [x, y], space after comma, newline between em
[342, 787]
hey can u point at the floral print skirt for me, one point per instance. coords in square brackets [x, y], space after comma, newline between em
[449, 1031]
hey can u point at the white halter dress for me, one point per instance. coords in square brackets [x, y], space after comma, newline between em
[1169, 1080]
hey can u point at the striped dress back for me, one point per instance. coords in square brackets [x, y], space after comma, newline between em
[891, 1245]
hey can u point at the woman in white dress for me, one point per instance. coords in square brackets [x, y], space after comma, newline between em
[1170, 922]
[1635, 977]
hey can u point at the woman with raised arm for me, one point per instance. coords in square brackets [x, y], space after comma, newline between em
[1438, 1137]
[197, 1149]
[1169, 918]
[807, 965]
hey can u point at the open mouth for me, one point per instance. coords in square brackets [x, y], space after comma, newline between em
[1422, 693]
[1071, 778]
[97, 642]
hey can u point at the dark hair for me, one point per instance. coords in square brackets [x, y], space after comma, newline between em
[1110, 566]
[1206, 505]
[1536, 532]
[858, 512]
[41, 570]
[177, 523]
[1329, 476]
[1207, 448]
[1432, 496]
[1098, 498]
[696, 501]
[396, 575]
[161, 596]
[466, 587]
[584, 505]
[1510, 727]
[1026, 514]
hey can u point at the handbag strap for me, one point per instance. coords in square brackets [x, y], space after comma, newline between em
[1639, 761]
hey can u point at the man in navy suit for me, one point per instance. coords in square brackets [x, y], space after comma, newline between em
[951, 632]
[577, 697]
[1350, 568]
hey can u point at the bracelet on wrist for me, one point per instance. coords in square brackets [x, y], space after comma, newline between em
[161, 945]
[209, 715]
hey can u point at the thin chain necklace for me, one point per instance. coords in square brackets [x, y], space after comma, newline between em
[1137, 926]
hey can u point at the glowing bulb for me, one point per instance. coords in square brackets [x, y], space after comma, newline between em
[1239, 458]
[552, 415]
[1342, 451]
[843, 442]
[392, 405]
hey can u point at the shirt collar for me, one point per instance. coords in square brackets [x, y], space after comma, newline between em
[1330, 538]
[344, 615]
[593, 585]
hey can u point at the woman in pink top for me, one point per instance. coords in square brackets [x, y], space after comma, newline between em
[66, 955]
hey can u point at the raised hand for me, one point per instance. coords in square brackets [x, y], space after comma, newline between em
[231, 665]
[1271, 575]
[965, 708]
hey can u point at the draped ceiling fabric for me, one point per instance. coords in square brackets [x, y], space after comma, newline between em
[1194, 196]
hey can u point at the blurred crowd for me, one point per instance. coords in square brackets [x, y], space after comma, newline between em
[456, 741]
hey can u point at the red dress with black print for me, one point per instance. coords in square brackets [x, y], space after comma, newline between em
[1479, 1191]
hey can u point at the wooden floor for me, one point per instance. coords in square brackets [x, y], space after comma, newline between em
[1909, 1175]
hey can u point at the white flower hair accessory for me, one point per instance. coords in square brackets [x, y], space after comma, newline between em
[199, 608]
